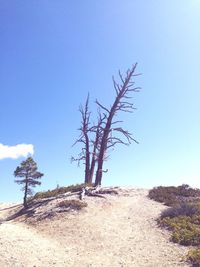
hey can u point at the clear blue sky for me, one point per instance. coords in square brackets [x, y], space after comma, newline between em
[53, 52]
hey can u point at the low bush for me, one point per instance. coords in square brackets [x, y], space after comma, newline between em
[184, 230]
[194, 257]
[183, 209]
[187, 237]
[172, 195]
[58, 191]
[182, 218]
[72, 204]
[175, 223]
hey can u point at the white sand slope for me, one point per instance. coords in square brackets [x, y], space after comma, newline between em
[119, 231]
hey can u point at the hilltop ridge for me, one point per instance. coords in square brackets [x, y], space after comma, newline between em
[118, 230]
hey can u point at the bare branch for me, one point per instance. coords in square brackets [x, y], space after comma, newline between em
[80, 140]
[77, 159]
[115, 122]
[116, 86]
[126, 134]
[121, 77]
[101, 106]
[112, 141]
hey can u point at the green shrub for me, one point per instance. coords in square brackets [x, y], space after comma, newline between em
[72, 204]
[175, 223]
[58, 191]
[187, 237]
[163, 194]
[183, 218]
[184, 209]
[194, 257]
[172, 195]
[184, 230]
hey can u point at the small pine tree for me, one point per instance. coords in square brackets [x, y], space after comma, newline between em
[29, 175]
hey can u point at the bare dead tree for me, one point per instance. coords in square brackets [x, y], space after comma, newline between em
[84, 139]
[90, 137]
[99, 138]
[121, 104]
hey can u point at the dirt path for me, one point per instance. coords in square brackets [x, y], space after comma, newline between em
[21, 246]
[120, 232]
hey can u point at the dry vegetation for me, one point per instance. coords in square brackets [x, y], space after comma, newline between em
[58, 191]
[182, 218]
[72, 204]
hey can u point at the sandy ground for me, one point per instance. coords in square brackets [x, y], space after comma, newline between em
[119, 231]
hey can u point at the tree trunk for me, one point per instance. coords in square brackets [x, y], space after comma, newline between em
[102, 153]
[99, 174]
[25, 194]
[92, 170]
[104, 141]
[93, 162]
[87, 161]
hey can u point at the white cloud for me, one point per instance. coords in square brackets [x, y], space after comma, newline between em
[14, 152]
